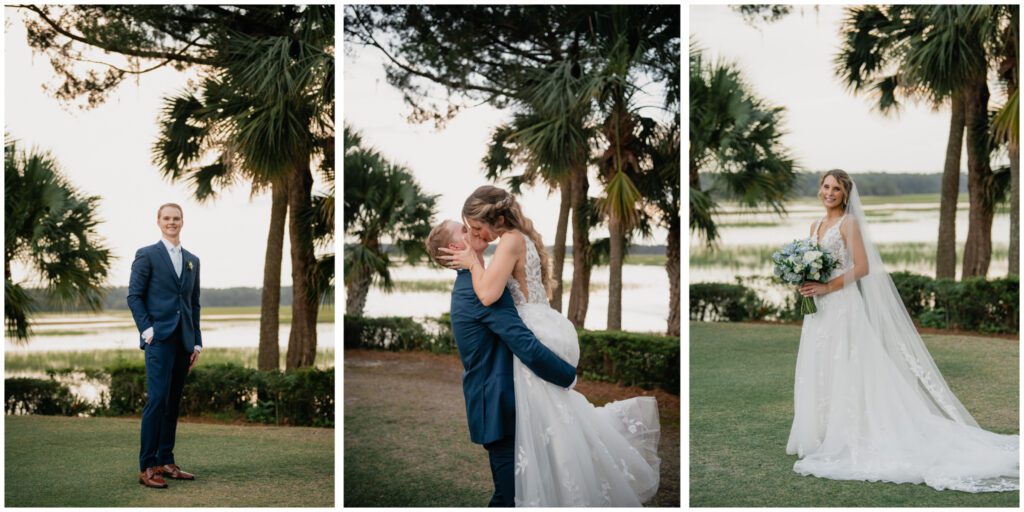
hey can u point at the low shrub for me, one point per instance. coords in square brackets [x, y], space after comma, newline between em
[972, 304]
[712, 302]
[298, 397]
[629, 358]
[23, 395]
[633, 359]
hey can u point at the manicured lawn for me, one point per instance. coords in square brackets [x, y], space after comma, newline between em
[407, 443]
[93, 462]
[741, 408]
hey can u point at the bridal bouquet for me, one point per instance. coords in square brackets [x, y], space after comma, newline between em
[800, 261]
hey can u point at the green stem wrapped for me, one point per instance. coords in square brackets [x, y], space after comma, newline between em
[807, 306]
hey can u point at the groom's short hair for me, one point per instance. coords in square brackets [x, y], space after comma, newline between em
[439, 237]
[169, 205]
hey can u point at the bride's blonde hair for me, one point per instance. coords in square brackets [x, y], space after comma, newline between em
[496, 207]
[845, 184]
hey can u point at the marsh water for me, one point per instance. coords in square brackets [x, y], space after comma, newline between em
[645, 292]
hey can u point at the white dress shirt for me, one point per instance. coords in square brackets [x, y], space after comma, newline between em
[175, 253]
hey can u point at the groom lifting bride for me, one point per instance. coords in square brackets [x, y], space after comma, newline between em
[548, 446]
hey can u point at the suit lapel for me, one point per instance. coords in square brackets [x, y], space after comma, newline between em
[185, 258]
[166, 256]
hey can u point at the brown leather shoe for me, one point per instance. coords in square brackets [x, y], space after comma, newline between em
[173, 471]
[151, 478]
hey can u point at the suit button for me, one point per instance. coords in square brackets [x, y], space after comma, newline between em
[179, 312]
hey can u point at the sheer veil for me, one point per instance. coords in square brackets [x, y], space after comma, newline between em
[892, 324]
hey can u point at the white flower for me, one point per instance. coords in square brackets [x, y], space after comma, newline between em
[816, 276]
[810, 256]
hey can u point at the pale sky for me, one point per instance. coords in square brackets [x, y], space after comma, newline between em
[789, 63]
[106, 152]
[447, 161]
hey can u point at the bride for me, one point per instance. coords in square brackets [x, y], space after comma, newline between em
[869, 402]
[567, 452]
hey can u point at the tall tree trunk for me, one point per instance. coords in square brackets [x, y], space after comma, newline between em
[672, 267]
[1010, 69]
[579, 294]
[302, 339]
[269, 357]
[359, 287]
[617, 253]
[945, 257]
[978, 249]
[565, 188]
[1014, 207]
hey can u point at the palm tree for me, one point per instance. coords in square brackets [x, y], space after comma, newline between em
[736, 138]
[1006, 126]
[50, 227]
[189, 129]
[624, 48]
[878, 44]
[382, 200]
[548, 137]
[264, 108]
[935, 54]
[661, 190]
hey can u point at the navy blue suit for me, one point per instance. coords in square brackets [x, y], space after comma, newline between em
[487, 337]
[169, 304]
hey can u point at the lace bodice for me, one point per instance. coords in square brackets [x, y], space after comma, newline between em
[832, 241]
[534, 279]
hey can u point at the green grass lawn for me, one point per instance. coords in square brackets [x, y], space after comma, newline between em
[741, 408]
[93, 462]
[407, 443]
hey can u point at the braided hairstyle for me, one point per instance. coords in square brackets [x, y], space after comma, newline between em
[496, 207]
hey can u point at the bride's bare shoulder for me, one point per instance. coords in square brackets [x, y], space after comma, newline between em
[514, 240]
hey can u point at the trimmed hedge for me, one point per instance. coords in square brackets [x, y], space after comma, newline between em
[23, 395]
[724, 301]
[972, 304]
[399, 333]
[633, 359]
[299, 397]
[644, 360]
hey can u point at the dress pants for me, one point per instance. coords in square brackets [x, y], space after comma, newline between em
[502, 455]
[166, 369]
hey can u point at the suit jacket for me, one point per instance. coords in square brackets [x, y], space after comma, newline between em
[487, 337]
[160, 299]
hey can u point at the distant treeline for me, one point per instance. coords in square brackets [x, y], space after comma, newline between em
[116, 298]
[868, 183]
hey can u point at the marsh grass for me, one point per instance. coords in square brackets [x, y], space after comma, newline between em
[759, 256]
[40, 362]
[325, 315]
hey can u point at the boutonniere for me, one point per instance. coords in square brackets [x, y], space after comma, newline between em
[190, 265]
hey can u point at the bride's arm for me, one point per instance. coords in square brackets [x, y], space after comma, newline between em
[489, 283]
[851, 234]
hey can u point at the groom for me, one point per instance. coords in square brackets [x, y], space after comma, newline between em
[487, 336]
[163, 294]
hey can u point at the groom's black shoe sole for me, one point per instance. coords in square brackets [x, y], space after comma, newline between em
[164, 486]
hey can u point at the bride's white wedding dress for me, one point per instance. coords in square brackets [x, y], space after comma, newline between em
[869, 404]
[568, 452]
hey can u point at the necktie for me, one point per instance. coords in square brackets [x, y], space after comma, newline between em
[176, 259]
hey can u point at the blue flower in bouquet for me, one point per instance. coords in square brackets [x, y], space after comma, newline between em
[800, 261]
